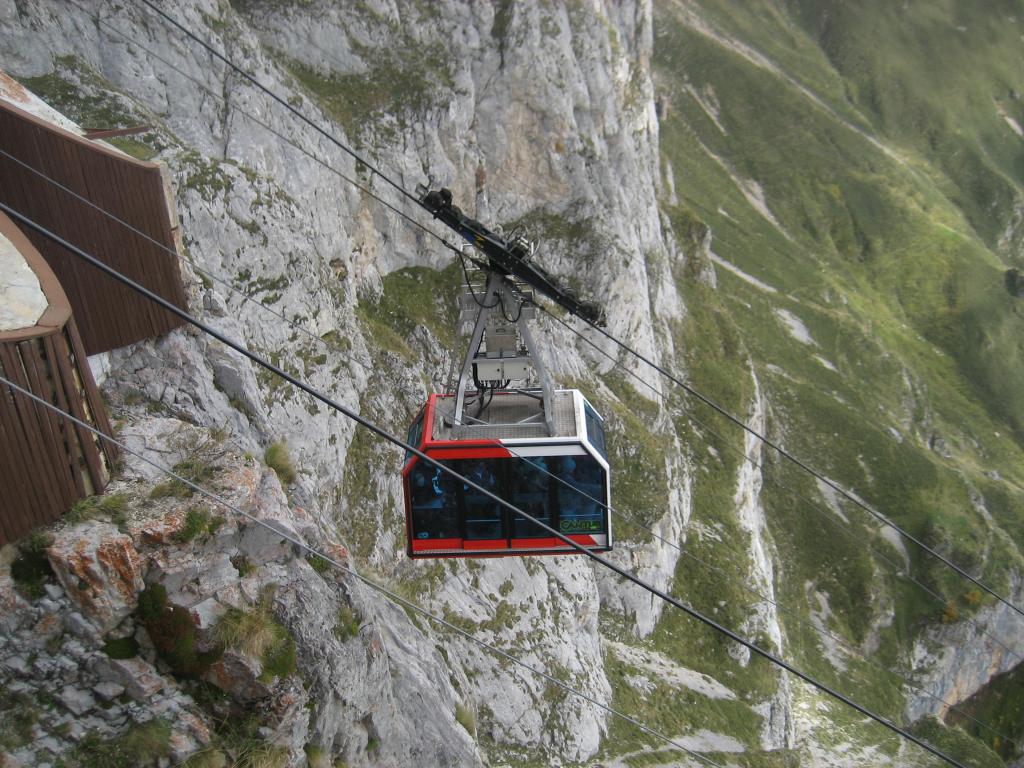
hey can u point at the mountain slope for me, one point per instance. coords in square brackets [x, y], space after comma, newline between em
[740, 188]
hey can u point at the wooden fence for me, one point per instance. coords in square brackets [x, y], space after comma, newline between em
[108, 314]
[47, 463]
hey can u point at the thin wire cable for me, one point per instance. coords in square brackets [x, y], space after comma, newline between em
[283, 102]
[899, 570]
[191, 260]
[350, 571]
[640, 356]
[628, 516]
[401, 444]
[798, 462]
[256, 120]
[462, 260]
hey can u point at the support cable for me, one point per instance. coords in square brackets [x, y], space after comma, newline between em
[898, 570]
[390, 595]
[283, 102]
[798, 462]
[412, 450]
[639, 355]
[628, 516]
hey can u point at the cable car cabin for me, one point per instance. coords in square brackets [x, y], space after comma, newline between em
[561, 479]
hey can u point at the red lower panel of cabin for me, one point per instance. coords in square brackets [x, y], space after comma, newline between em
[503, 547]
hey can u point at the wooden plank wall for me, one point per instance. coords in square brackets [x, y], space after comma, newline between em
[108, 314]
[47, 463]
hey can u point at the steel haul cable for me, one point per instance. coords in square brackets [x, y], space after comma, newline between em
[899, 571]
[227, 284]
[368, 582]
[444, 242]
[629, 517]
[640, 356]
[661, 594]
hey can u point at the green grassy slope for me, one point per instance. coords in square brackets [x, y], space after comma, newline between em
[876, 134]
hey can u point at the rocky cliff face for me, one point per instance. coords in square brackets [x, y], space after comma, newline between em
[541, 115]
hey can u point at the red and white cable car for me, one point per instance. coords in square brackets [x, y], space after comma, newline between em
[561, 479]
[542, 450]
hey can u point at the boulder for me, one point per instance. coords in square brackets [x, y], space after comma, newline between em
[100, 570]
[138, 677]
[238, 675]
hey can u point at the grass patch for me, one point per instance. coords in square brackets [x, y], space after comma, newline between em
[198, 522]
[143, 744]
[255, 633]
[319, 564]
[412, 297]
[464, 716]
[18, 716]
[276, 457]
[198, 468]
[112, 506]
[347, 625]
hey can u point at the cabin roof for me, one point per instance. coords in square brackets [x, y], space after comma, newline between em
[506, 417]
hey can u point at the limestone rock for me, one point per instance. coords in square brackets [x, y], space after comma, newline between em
[239, 675]
[138, 677]
[77, 701]
[100, 570]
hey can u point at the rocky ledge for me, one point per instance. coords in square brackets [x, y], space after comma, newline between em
[161, 628]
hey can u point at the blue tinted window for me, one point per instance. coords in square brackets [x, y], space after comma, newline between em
[595, 429]
[529, 489]
[434, 502]
[581, 497]
[415, 435]
[483, 514]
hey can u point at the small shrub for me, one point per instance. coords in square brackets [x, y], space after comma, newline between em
[243, 565]
[36, 542]
[276, 457]
[122, 648]
[197, 521]
[465, 717]
[950, 613]
[973, 597]
[31, 569]
[347, 625]
[173, 634]
[318, 564]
